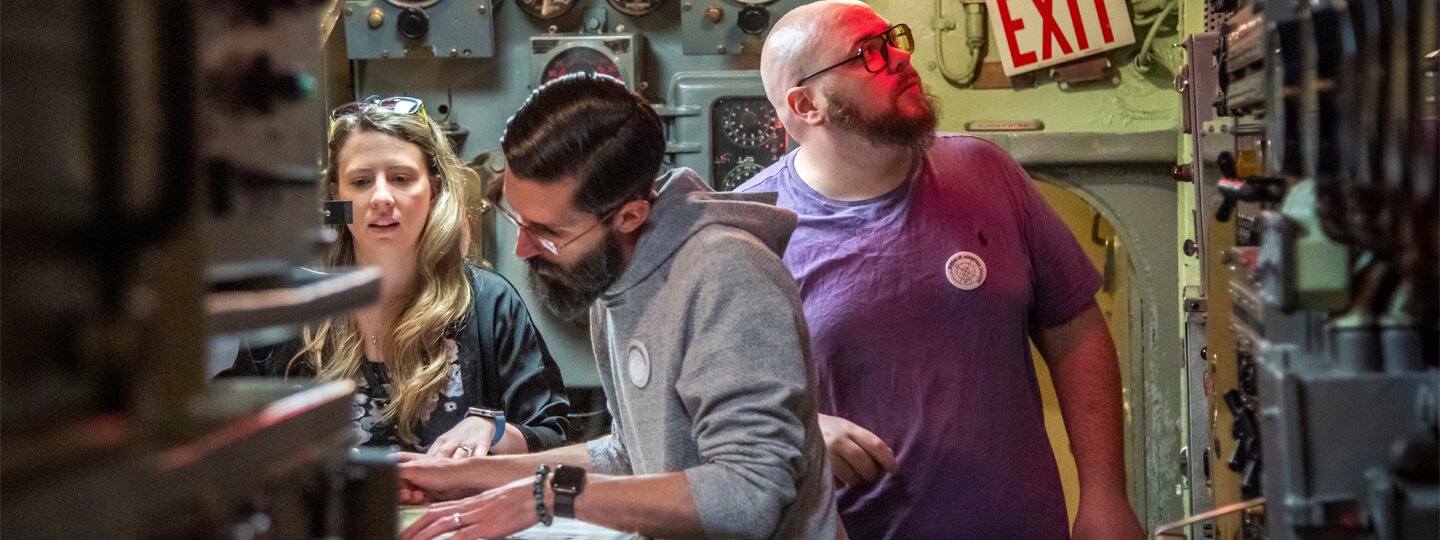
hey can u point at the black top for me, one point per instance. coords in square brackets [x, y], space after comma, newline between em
[498, 361]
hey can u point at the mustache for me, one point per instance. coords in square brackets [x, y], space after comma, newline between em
[569, 292]
[911, 78]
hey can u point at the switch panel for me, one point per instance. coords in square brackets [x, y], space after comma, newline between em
[730, 26]
[419, 29]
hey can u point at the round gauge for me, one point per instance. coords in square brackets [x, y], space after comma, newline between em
[578, 59]
[636, 8]
[412, 3]
[746, 169]
[750, 124]
[545, 9]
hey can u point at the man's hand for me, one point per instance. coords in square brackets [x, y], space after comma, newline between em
[856, 454]
[1106, 518]
[429, 478]
[497, 513]
[470, 438]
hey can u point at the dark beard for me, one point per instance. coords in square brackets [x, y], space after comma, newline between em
[917, 132]
[568, 293]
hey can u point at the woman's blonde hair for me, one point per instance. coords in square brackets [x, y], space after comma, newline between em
[415, 355]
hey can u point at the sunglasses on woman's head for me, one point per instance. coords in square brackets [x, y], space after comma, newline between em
[399, 104]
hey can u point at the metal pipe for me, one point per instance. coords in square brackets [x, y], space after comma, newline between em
[975, 39]
[1142, 60]
[1168, 530]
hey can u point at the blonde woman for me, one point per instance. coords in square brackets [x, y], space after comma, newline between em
[448, 361]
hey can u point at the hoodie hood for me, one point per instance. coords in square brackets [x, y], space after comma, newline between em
[685, 206]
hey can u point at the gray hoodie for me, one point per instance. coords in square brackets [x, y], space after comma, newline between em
[704, 354]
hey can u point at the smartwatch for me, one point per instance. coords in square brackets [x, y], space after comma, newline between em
[494, 414]
[567, 483]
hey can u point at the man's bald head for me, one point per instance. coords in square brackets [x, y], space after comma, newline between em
[804, 41]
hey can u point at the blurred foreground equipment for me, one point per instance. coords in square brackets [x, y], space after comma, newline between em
[159, 188]
[1316, 163]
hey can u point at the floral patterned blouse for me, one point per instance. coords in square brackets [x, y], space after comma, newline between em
[497, 360]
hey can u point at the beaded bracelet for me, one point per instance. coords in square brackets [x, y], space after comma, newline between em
[545, 518]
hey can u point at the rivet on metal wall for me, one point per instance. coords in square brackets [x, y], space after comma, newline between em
[685, 6]
[454, 53]
[619, 28]
[482, 9]
[720, 49]
[349, 11]
[376, 18]
[384, 54]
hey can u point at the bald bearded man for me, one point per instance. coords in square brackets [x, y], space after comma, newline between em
[926, 264]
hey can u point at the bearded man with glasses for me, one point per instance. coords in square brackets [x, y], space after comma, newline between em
[927, 264]
[697, 329]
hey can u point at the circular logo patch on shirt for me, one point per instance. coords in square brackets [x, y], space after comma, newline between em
[638, 364]
[966, 270]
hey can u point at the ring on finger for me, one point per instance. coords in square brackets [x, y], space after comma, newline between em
[456, 517]
[467, 447]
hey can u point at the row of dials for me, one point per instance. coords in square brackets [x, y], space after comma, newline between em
[550, 9]
[745, 136]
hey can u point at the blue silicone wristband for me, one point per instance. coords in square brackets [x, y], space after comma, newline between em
[494, 414]
[499, 428]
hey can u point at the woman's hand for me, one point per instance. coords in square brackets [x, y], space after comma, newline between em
[497, 513]
[470, 438]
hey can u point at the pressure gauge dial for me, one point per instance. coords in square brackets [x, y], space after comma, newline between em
[578, 59]
[749, 124]
[745, 137]
[546, 9]
[746, 169]
[636, 8]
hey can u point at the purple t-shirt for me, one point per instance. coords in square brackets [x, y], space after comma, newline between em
[920, 304]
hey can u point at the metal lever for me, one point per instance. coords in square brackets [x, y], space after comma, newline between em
[1248, 189]
[1246, 432]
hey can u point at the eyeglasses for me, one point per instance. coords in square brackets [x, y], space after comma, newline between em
[496, 198]
[399, 104]
[874, 51]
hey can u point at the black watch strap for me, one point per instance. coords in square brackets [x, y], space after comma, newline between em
[565, 505]
[567, 483]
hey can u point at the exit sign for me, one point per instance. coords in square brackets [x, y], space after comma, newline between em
[1036, 33]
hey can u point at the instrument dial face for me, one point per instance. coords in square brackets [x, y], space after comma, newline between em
[750, 124]
[578, 59]
[402, 4]
[745, 137]
[743, 171]
[546, 9]
[636, 8]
